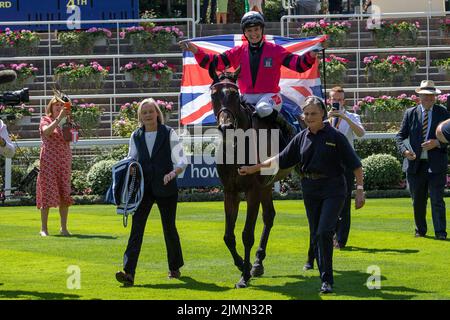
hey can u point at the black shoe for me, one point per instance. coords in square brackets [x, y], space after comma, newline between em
[441, 237]
[175, 274]
[419, 235]
[126, 279]
[308, 266]
[326, 288]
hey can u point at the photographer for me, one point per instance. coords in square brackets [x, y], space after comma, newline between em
[53, 187]
[7, 149]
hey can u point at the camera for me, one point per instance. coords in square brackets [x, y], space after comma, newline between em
[335, 106]
[13, 98]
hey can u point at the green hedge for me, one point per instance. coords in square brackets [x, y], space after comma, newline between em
[381, 171]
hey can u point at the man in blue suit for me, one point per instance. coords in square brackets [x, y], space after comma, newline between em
[426, 158]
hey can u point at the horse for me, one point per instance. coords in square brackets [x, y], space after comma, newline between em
[231, 115]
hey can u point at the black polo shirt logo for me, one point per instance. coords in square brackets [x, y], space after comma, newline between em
[268, 63]
[330, 144]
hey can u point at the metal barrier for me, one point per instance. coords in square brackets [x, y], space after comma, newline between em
[124, 141]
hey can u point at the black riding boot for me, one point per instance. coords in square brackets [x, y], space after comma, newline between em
[287, 128]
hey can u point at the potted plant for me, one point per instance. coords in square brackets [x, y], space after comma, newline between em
[126, 122]
[100, 36]
[385, 112]
[166, 109]
[393, 68]
[445, 27]
[335, 68]
[16, 115]
[75, 42]
[162, 74]
[163, 37]
[74, 76]
[25, 42]
[443, 66]
[383, 34]
[336, 31]
[87, 116]
[442, 99]
[138, 72]
[25, 75]
[140, 38]
[407, 32]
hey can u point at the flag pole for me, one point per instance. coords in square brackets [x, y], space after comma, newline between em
[324, 76]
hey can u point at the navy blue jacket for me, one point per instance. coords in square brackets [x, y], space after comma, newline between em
[160, 162]
[412, 128]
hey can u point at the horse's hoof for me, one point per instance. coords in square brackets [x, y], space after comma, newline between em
[257, 270]
[242, 284]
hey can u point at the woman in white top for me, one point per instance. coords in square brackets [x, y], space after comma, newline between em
[158, 150]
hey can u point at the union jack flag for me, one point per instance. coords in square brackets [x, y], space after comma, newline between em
[195, 97]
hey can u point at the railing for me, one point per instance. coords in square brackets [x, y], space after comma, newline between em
[123, 141]
[359, 17]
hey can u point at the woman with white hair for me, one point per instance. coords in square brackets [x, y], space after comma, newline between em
[159, 152]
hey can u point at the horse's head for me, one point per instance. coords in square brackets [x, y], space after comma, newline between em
[226, 100]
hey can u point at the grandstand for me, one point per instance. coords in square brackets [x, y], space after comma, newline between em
[432, 43]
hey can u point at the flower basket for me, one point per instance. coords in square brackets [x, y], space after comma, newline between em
[138, 72]
[75, 77]
[385, 112]
[87, 116]
[16, 115]
[336, 31]
[126, 122]
[140, 38]
[164, 37]
[393, 69]
[166, 108]
[162, 74]
[23, 42]
[335, 68]
[392, 34]
[443, 66]
[26, 74]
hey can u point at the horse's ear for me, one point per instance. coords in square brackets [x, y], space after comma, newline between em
[236, 73]
[212, 70]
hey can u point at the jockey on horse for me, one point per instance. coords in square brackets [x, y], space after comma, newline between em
[260, 64]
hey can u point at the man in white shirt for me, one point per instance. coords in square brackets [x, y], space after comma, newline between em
[7, 149]
[350, 125]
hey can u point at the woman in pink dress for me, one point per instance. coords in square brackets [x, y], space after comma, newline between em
[53, 182]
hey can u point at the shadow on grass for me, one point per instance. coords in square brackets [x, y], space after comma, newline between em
[87, 236]
[186, 283]
[375, 250]
[347, 283]
[17, 294]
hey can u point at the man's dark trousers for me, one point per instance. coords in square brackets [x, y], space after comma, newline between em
[343, 224]
[419, 184]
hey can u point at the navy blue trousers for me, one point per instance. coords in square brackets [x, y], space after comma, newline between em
[343, 223]
[323, 200]
[420, 184]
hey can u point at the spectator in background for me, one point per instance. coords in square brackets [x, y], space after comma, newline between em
[204, 10]
[7, 149]
[53, 186]
[427, 159]
[222, 11]
[303, 7]
[255, 5]
[158, 150]
[335, 6]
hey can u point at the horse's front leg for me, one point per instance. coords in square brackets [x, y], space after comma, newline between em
[268, 214]
[231, 204]
[248, 235]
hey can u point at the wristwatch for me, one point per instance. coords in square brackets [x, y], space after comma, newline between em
[359, 187]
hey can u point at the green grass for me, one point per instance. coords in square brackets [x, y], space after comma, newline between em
[381, 234]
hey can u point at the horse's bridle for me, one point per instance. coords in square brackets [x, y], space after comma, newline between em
[224, 109]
